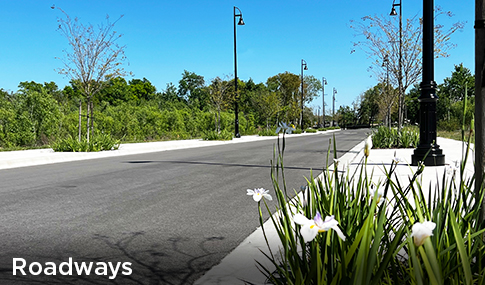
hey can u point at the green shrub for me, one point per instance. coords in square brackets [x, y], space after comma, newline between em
[449, 125]
[409, 137]
[96, 143]
[215, 136]
[267, 132]
[310, 131]
[297, 131]
[247, 125]
[385, 137]
[322, 129]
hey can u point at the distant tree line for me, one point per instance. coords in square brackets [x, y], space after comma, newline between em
[39, 114]
[374, 107]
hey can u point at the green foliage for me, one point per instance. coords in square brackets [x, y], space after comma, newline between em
[297, 131]
[369, 105]
[310, 131]
[38, 114]
[96, 143]
[224, 135]
[412, 104]
[286, 85]
[346, 116]
[192, 91]
[30, 117]
[384, 137]
[452, 94]
[267, 132]
[329, 128]
[450, 125]
[43, 113]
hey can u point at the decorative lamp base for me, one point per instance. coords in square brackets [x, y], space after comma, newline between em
[430, 156]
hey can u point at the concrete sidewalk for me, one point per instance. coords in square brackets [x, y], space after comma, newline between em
[239, 267]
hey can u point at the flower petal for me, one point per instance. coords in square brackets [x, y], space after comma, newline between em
[420, 231]
[257, 197]
[301, 220]
[339, 232]
[250, 192]
[329, 223]
[309, 232]
[268, 197]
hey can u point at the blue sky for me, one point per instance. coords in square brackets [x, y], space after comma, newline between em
[164, 38]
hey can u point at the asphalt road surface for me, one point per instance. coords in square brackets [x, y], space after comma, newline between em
[172, 215]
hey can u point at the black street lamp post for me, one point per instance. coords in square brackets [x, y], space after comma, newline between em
[236, 109]
[393, 13]
[303, 67]
[333, 107]
[324, 82]
[428, 151]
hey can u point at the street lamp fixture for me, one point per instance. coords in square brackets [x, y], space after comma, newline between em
[236, 107]
[428, 151]
[394, 13]
[303, 67]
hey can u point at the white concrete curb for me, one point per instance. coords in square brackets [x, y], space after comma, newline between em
[13, 159]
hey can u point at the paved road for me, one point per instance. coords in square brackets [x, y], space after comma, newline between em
[172, 214]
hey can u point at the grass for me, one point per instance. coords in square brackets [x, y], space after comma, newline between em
[14, 148]
[454, 135]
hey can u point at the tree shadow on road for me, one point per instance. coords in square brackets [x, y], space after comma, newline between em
[212, 163]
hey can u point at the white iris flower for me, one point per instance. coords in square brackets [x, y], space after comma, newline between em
[421, 231]
[380, 192]
[259, 193]
[310, 228]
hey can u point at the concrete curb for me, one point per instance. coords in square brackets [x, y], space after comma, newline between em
[14, 159]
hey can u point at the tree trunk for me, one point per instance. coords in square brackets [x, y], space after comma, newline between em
[88, 105]
[219, 120]
[80, 120]
[92, 118]
[479, 101]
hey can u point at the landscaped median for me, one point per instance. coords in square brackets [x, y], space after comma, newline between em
[377, 220]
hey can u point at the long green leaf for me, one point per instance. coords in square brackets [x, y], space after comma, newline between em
[461, 249]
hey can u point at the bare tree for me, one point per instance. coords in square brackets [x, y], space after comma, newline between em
[387, 99]
[93, 57]
[219, 97]
[381, 35]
